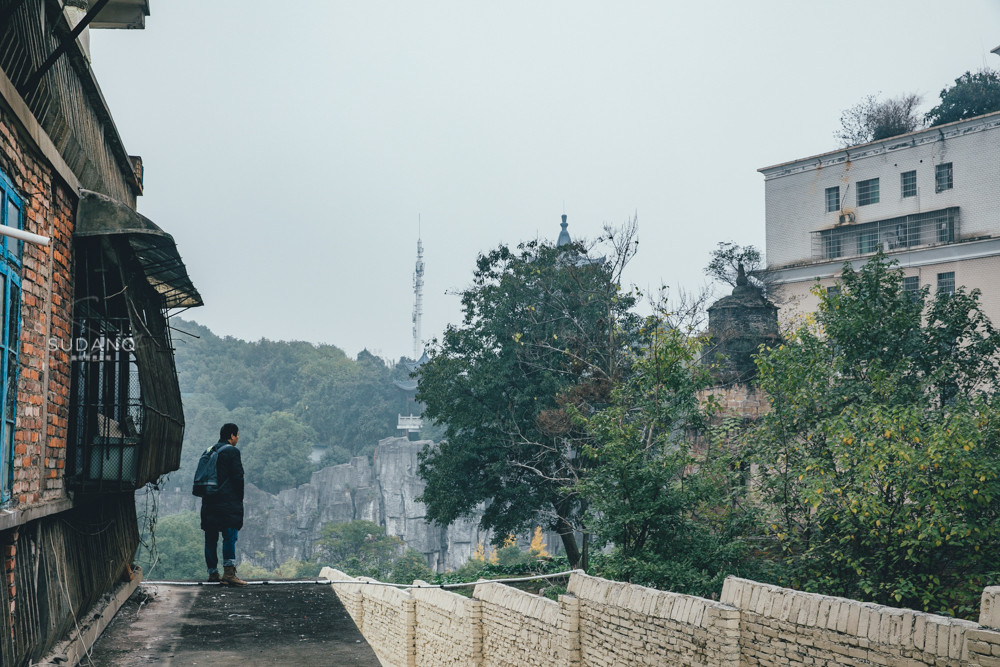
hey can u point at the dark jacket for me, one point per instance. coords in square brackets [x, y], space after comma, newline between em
[224, 509]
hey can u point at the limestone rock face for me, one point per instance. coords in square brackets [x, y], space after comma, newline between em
[286, 526]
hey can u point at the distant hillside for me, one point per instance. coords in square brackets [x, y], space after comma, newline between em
[286, 397]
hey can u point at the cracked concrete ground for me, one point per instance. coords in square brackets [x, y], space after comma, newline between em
[211, 625]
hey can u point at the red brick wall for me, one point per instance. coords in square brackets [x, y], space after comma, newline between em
[46, 313]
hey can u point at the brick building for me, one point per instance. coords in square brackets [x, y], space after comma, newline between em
[89, 404]
[930, 199]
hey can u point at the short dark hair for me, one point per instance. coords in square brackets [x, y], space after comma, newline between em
[227, 431]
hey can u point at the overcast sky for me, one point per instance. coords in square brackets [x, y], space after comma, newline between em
[290, 152]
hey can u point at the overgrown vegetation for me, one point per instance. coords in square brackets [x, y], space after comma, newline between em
[873, 118]
[546, 330]
[286, 398]
[876, 473]
[881, 452]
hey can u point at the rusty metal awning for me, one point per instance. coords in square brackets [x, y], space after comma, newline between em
[100, 215]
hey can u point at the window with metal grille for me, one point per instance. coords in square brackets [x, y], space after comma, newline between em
[11, 215]
[908, 231]
[833, 199]
[911, 286]
[868, 241]
[908, 183]
[946, 283]
[833, 247]
[106, 400]
[868, 192]
[943, 179]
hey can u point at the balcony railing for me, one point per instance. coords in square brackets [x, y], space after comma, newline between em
[892, 235]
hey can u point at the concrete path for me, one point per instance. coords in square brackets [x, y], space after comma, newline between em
[209, 626]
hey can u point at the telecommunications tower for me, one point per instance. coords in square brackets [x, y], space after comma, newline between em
[418, 295]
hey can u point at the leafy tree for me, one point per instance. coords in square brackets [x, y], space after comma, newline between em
[544, 328]
[661, 509]
[176, 550]
[359, 548]
[727, 259]
[880, 453]
[278, 458]
[872, 119]
[972, 95]
[410, 566]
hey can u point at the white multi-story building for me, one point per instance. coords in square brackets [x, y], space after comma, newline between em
[930, 199]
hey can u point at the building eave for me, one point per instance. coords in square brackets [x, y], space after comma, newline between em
[952, 252]
[936, 133]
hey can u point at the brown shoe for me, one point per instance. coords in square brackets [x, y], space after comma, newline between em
[229, 577]
[213, 577]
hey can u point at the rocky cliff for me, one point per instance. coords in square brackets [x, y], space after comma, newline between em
[285, 526]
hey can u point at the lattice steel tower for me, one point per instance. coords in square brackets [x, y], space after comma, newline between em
[418, 297]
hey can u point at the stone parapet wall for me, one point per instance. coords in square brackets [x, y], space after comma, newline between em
[519, 628]
[989, 609]
[448, 628]
[620, 620]
[779, 626]
[600, 622]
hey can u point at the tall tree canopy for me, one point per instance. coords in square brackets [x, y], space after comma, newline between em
[728, 257]
[544, 328]
[973, 94]
[880, 455]
[662, 511]
[872, 119]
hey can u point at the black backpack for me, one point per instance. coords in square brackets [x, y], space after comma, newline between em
[206, 476]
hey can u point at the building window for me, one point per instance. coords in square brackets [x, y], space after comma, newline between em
[911, 285]
[908, 183]
[833, 248]
[868, 241]
[12, 215]
[868, 192]
[943, 179]
[833, 199]
[833, 290]
[946, 283]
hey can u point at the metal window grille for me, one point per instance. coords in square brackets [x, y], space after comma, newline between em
[908, 183]
[921, 229]
[911, 284]
[946, 283]
[943, 178]
[107, 403]
[833, 199]
[868, 192]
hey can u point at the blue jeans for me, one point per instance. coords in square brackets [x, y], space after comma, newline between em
[229, 537]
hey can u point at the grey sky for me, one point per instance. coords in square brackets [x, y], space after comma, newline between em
[290, 152]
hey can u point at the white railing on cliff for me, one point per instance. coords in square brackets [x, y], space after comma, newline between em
[600, 622]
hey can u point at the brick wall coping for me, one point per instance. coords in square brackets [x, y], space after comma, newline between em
[451, 603]
[18, 516]
[642, 600]
[527, 604]
[888, 626]
[989, 609]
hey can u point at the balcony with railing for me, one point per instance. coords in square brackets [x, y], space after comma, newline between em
[906, 232]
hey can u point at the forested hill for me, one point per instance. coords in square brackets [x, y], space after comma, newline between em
[286, 397]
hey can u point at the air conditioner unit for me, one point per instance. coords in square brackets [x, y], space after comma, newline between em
[846, 217]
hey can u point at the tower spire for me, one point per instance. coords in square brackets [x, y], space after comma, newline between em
[418, 294]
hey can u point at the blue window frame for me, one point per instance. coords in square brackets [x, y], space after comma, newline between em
[11, 215]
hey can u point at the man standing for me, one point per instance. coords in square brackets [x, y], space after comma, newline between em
[222, 512]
